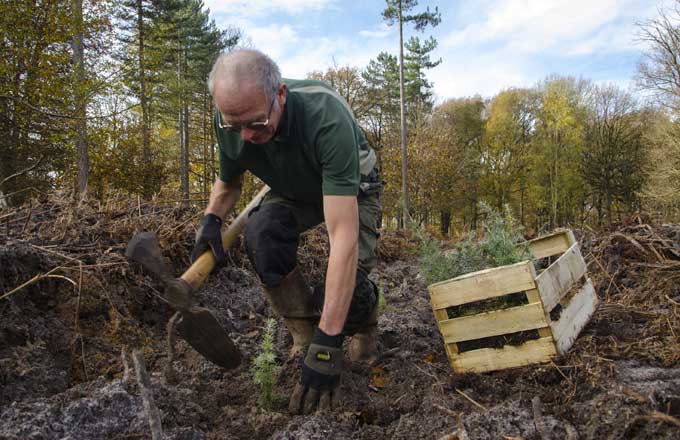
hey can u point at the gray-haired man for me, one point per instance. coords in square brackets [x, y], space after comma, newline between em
[301, 138]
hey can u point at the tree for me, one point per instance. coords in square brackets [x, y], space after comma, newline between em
[36, 99]
[613, 160]
[141, 64]
[381, 77]
[418, 88]
[558, 144]
[80, 97]
[350, 84]
[661, 189]
[659, 70]
[461, 124]
[506, 145]
[394, 13]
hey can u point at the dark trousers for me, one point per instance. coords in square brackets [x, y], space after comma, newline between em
[272, 236]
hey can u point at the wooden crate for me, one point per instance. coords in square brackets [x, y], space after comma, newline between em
[562, 290]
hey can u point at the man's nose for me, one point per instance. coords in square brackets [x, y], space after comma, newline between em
[247, 134]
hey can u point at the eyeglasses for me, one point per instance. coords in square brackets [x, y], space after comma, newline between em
[253, 125]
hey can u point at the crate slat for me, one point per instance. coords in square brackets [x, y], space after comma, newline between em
[481, 285]
[493, 323]
[553, 244]
[574, 317]
[486, 359]
[554, 282]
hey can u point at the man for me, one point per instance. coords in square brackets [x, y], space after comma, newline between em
[300, 138]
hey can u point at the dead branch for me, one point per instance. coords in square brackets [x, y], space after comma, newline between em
[539, 421]
[37, 278]
[462, 433]
[150, 407]
[21, 172]
[126, 365]
[169, 371]
[474, 402]
[445, 410]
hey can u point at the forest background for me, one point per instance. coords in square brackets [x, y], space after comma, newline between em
[100, 97]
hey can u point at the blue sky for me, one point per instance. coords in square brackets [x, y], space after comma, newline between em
[485, 45]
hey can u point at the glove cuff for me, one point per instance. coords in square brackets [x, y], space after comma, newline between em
[321, 338]
[211, 219]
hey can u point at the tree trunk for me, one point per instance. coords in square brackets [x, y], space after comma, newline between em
[80, 100]
[144, 102]
[445, 222]
[404, 159]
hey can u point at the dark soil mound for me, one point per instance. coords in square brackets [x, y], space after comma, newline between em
[62, 374]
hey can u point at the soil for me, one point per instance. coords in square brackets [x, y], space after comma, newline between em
[63, 375]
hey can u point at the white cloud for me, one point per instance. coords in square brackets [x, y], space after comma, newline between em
[275, 39]
[484, 75]
[535, 26]
[259, 8]
[381, 31]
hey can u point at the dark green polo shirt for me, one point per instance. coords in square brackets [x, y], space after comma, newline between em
[318, 150]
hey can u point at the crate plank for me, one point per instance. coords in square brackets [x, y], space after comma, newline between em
[481, 285]
[574, 317]
[534, 297]
[553, 244]
[554, 282]
[489, 359]
[493, 323]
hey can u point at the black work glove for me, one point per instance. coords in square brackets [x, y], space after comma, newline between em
[209, 236]
[320, 375]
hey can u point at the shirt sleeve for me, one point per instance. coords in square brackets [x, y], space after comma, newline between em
[229, 168]
[337, 146]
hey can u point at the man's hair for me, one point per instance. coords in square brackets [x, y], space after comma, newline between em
[248, 64]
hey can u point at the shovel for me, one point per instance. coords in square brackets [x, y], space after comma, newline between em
[198, 326]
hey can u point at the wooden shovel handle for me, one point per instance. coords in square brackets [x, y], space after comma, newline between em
[199, 271]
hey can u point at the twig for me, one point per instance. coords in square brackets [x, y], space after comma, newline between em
[656, 415]
[462, 433]
[539, 421]
[82, 355]
[35, 279]
[126, 365]
[80, 284]
[597, 261]
[50, 251]
[445, 410]
[670, 326]
[561, 373]
[28, 217]
[477, 404]
[675, 303]
[20, 172]
[572, 433]
[170, 375]
[150, 407]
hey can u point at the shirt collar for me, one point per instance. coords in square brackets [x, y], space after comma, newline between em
[283, 133]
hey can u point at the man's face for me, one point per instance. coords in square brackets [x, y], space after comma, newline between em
[247, 110]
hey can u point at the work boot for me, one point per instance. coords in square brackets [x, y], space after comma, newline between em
[292, 300]
[363, 346]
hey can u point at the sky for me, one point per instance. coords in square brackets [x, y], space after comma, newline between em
[485, 46]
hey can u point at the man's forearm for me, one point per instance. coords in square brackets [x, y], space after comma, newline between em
[223, 197]
[342, 220]
[340, 278]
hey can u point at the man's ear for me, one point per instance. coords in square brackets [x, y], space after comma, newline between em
[281, 94]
